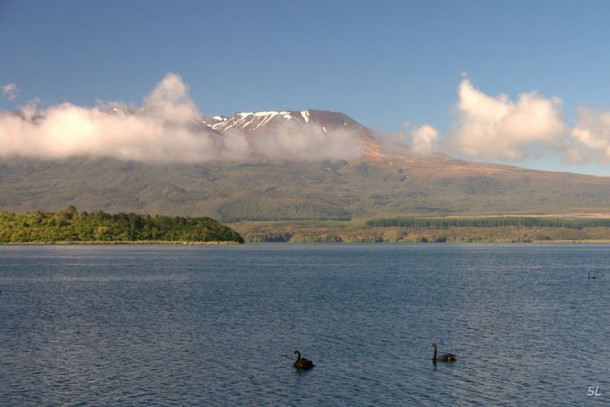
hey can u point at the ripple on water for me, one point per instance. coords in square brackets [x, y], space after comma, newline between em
[217, 326]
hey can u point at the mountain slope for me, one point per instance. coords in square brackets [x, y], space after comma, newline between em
[254, 123]
[385, 180]
[289, 190]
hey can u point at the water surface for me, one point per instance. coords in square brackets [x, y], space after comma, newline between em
[174, 325]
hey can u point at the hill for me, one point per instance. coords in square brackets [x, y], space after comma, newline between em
[274, 190]
[325, 166]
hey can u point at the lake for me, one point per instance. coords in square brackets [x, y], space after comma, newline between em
[87, 325]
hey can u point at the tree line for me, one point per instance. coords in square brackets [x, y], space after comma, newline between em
[71, 225]
[491, 222]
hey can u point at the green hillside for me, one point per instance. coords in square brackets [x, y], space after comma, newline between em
[372, 199]
[289, 191]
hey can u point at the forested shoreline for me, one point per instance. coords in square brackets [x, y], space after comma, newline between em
[71, 225]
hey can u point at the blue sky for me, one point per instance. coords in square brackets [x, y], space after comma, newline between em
[386, 64]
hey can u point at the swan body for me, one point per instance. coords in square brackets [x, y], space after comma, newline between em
[301, 362]
[445, 357]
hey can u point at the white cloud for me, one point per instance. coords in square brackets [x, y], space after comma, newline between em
[161, 130]
[158, 132]
[424, 140]
[66, 130]
[496, 128]
[170, 100]
[492, 128]
[294, 140]
[590, 139]
[10, 90]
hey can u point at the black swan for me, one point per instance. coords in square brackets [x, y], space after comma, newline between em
[445, 357]
[302, 363]
[591, 277]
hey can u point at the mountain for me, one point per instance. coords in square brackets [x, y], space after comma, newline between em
[322, 122]
[383, 180]
[259, 122]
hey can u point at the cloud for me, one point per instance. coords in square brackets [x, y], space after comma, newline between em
[156, 132]
[424, 140]
[10, 90]
[161, 130]
[590, 138]
[170, 100]
[496, 128]
[294, 140]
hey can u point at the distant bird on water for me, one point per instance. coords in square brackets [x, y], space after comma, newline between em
[591, 277]
[301, 362]
[445, 357]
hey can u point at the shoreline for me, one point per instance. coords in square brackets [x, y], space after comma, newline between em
[102, 243]
[402, 242]
[354, 232]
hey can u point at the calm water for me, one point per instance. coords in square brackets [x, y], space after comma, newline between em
[169, 325]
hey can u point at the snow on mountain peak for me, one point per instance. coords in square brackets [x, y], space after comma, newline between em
[255, 121]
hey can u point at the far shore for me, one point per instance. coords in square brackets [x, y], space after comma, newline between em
[140, 242]
[403, 242]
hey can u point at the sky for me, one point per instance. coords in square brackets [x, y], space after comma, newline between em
[515, 82]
